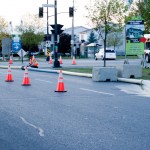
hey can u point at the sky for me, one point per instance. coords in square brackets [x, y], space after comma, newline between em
[13, 10]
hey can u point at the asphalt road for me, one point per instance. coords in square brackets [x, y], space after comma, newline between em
[79, 62]
[89, 116]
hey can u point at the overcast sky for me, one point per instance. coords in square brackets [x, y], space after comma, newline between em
[13, 10]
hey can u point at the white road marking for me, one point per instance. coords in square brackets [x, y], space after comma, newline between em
[41, 131]
[97, 91]
[43, 80]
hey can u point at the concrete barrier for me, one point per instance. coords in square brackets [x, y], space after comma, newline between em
[104, 74]
[129, 71]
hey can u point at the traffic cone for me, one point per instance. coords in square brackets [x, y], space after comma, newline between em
[50, 60]
[26, 80]
[10, 60]
[9, 75]
[73, 61]
[60, 84]
[60, 60]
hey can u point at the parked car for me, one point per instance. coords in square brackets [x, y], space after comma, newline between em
[110, 54]
[147, 55]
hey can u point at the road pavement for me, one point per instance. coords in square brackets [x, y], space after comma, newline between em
[89, 116]
[79, 62]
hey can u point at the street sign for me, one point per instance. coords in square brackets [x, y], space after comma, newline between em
[143, 39]
[16, 46]
[48, 5]
[21, 53]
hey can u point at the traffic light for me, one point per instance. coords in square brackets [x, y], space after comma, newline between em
[71, 11]
[59, 31]
[40, 12]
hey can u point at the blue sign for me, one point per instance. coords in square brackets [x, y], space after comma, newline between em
[16, 46]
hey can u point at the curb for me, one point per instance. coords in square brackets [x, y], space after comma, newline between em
[64, 72]
[12, 67]
[134, 81]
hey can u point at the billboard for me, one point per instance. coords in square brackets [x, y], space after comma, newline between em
[6, 46]
[134, 37]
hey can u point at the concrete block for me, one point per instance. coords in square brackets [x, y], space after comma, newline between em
[129, 71]
[104, 74]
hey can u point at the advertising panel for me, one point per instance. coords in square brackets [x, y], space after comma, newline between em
[134, 37]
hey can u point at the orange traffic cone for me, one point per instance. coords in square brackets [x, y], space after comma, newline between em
[60, 85]
[73, 61]
[60, 60]
[50, 60]
[10, 60]
[9, 75]
[26, 80]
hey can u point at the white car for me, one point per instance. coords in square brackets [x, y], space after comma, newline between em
[110, 54]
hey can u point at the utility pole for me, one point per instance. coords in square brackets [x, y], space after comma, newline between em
[47, 22]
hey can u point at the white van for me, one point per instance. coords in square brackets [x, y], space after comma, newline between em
[110, 54]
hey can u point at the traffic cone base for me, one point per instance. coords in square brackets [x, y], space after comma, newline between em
[60, 87]
[10, 60]
[50, 60]
[60, 60]
[73, 61]
[9, 75]
[60, 84]
[9, 78]
[26, 80]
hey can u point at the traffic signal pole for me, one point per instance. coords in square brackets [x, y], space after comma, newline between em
[56, 62]
[72, 35]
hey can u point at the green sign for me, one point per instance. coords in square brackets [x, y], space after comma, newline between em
[134, 34]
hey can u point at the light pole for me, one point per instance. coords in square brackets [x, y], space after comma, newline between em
[56, 62]
[72, 35]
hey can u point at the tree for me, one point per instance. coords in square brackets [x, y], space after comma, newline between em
[31, 22]
[32, 32]
[3, 25]
[4, 33]
[142, 8]
[106, 16]
[92, 38]
[64, 43]
[30, 40]
[114, 39]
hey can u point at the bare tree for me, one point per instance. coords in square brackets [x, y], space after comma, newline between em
[114, 39]
[106, 16]
[32, 31]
